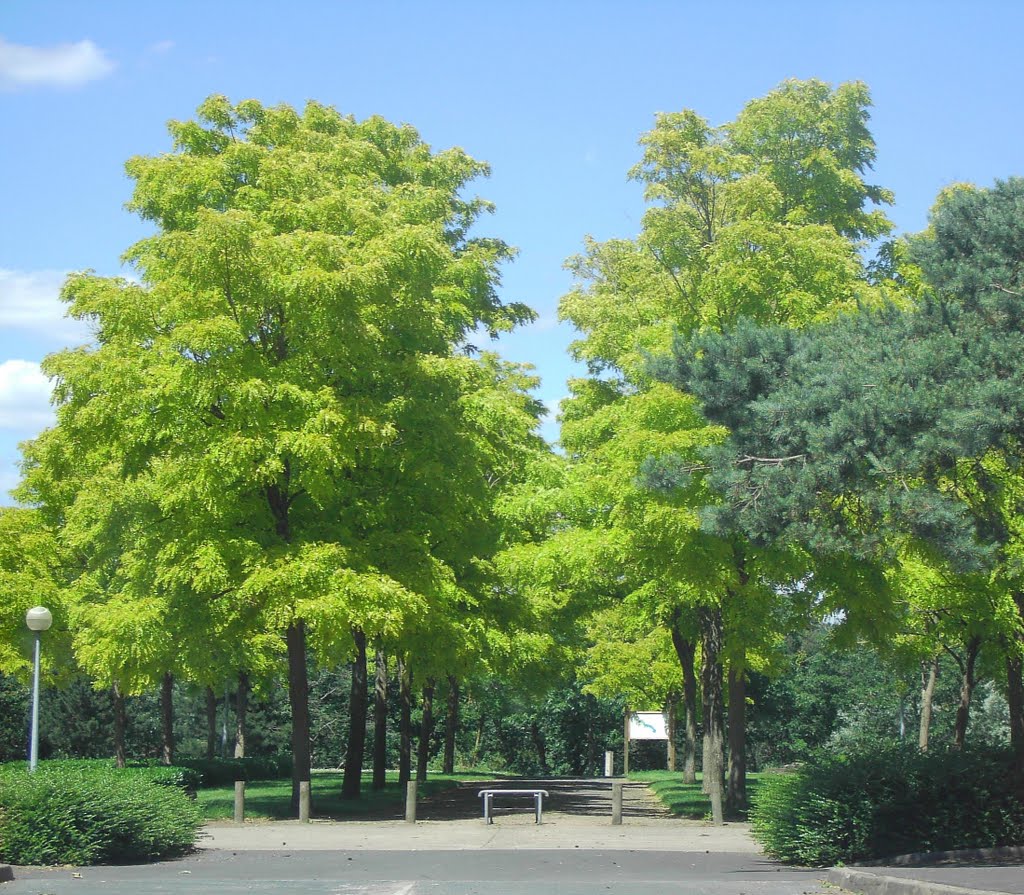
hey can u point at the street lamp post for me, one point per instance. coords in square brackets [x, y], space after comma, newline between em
[38, 620]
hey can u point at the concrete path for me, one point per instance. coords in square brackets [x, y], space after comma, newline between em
[586, 797]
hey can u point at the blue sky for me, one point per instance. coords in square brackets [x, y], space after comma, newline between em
[552, 95]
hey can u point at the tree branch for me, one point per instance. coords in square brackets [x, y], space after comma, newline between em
[1002, 288]
[769, 461]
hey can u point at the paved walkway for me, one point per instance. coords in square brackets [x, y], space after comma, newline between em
[570, 796]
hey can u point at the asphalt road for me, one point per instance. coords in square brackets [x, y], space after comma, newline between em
[492, 872]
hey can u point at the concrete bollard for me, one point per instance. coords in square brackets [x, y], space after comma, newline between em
[239, 801]
[616, 804]
[609, 763]
[304, 801]
[410, 802]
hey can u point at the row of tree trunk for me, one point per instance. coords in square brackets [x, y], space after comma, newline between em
[967, 665]
[358, 714]
[929, 677]
[726, 786]
[167, 743]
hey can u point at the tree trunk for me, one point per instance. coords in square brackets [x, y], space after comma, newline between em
[736, 795]
[167, 718]
[627, 716]
[404, 721]
[1015, 699]
[590, 764]
[479, 742]
[380, 721]
[119, 726]
[714, 735]
[211, 723]
[686, 651]
[451, 724]
[426, 730]
[670, 722]
[241, 713]
[541, 746]
[298, 698]
[963, 709]
[929, 675]
[351, 785]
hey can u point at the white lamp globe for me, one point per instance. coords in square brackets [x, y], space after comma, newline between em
[38, 618]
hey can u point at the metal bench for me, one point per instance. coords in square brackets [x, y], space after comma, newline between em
[488, 796]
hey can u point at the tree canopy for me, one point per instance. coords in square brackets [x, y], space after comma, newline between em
[283, 441]
[890, 432]
[280, 424]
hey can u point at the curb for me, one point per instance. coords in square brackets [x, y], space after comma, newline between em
[979, 855]
[6, 873]
[868, 883]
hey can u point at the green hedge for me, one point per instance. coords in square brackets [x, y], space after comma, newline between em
[224, 771]
[190, 774]
[203, 773]
[892, 800]
[179, 776]
[79, 813]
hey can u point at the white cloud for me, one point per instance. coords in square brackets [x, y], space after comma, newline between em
[550, 430]
[63, 65]
[554, 405]
[30, 301]
[545, 323]
[161, 47]
[24, 397]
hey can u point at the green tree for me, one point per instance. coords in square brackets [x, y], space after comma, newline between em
[764, 218]
[896, 430]
[268, 395]
[32, 573]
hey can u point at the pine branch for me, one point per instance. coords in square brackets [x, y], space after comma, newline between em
[769, 461]
[1002, 288]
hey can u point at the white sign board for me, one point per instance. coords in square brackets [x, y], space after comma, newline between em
[647, 726]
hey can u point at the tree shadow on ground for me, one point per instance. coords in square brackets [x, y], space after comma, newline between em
[585, 797]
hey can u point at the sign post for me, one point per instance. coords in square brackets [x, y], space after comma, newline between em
[643, 726]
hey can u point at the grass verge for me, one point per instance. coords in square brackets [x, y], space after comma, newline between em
[685, 799]
[271, 799]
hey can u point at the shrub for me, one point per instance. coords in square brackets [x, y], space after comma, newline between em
[889, 801]
[71, 813]
[179, 776]
[224, 771]
[193, 774]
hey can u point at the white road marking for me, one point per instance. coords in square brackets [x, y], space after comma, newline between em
[375, 888]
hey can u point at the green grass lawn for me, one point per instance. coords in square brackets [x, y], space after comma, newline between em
[271, 799]
[683, 799]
